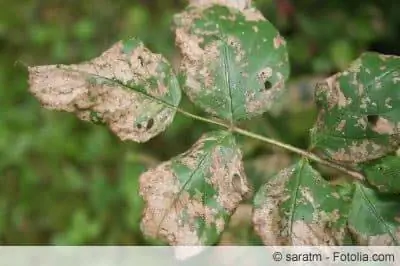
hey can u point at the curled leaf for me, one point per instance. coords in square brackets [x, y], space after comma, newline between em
[298, 207]
[190, 198]
[127, 88]
[359, 110]
[235, 61]
[374, 219]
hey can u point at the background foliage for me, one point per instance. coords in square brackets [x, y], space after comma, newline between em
[69, 182]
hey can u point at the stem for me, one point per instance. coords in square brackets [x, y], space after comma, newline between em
[309, 155]
[301, 152]
[200, 118]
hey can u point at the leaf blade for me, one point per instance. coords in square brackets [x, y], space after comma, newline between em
[383, 173]
[128, 88]
[359, 110]
[374, 218]
[190, 198]
[298, 207]
[235, 62]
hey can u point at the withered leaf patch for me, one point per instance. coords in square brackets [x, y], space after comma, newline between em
[234, 61]
[128, 88]
[359, 110]
[298, 207]
[189, 199]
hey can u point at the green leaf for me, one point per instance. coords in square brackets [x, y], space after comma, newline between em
[384, 173]
[235, 62]
[190, 198]
[374, 219]
[359, 110]
[299, 207]
[128, 88]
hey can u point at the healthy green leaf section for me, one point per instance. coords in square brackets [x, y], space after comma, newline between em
[128, 88]
[299, 207]
[384, 174]
[235, 62]
[190, 198]
[374, 218]
[359, 110]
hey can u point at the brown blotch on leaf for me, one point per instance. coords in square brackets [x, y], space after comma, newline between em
[386, 239]
[101, 86]
[275, 226]
[171, 213]
[381, 125]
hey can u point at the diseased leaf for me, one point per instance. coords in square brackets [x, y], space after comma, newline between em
[190, 198]
[299, 207]
[375, 219]
[384, 173]
[235, 62]
[128, 88]
[359, 110]
[238, 4]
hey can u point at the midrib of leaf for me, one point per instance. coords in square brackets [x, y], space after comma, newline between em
[373, 210]
[294, 198]
[133, 89]
[198, 166]
[227, 77]
[117, 82]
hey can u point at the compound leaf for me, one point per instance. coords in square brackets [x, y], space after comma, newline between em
[299, 207]
[384, 173]
[359, 110]
[128, 88]
[374, 219]
[190, 198]
[235, 61]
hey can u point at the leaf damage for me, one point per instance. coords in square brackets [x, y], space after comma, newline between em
[359, 111]
[190, 198]
[128, 88]
[298, 207]
[234, 61]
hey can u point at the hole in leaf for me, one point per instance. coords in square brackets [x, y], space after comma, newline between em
[267, 85]
[372, 119]
[141, 60]
[150, 123]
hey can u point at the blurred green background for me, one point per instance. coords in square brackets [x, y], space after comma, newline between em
[64, 181]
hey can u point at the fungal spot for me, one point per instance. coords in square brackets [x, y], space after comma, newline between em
[139, 126]
[150, 124]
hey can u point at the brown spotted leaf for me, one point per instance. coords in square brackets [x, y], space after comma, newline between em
[128, 88]
[359, 110]
[298, 207]
[190, 198]
[374, 218]
[234, 61]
